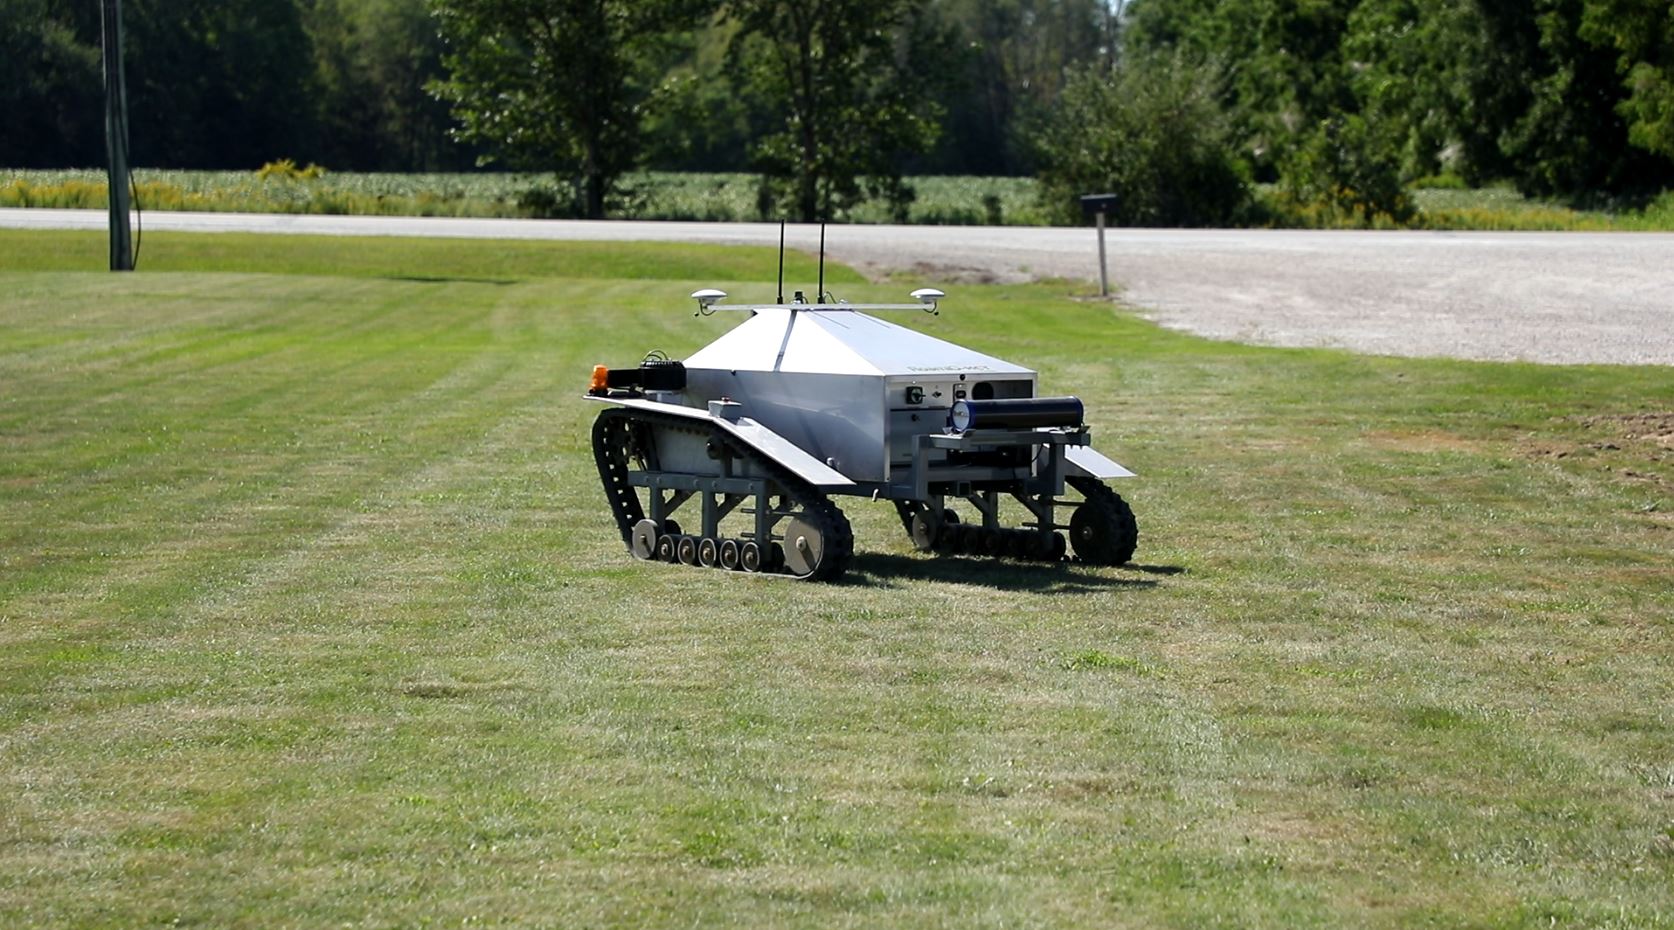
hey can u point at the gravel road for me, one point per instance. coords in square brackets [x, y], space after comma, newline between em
[1546, 297]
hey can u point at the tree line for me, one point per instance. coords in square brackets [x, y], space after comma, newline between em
[1181, 107]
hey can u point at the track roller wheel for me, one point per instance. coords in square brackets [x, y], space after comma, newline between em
[1102, 529]
[967, 539]
[928, 531]
[994, 543]
[924, 531]
[729, 554]
[666, 551]
[749, 556]
[818, 543]
[804, 547]
[947, 537]
[708, 552]
[686, 549]
[643, 542]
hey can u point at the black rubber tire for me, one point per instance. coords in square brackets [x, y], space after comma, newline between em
[1103, 530]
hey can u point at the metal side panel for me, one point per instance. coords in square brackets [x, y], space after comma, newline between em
[1082, 461]
[786, 453]
[753, 434]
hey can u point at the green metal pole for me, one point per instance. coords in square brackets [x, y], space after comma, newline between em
[116, 137]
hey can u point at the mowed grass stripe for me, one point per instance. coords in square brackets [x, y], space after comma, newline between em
[199, 452]
[1389, 658]
[478, 261]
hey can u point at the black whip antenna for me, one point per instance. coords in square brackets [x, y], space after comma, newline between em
[781, 261]
[819, 295]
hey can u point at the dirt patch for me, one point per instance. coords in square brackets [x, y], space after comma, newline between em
[1635, 446]
[937, 273]
[1656, 428]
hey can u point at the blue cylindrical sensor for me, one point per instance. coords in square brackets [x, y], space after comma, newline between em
[1015, 413]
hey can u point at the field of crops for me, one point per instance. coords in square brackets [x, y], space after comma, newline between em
[721, 197]
[645, 195]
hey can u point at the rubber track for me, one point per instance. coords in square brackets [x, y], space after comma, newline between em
[612, 434]
[1113, 510]
[907, 509]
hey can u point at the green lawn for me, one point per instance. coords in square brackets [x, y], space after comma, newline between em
[312, 614]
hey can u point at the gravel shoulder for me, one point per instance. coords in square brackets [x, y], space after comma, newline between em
[1558, 298]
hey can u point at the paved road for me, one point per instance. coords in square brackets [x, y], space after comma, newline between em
[1548, 297]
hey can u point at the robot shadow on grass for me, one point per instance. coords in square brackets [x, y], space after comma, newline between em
[890, 570]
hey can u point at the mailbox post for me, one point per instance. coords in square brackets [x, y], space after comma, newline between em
[1096, 206]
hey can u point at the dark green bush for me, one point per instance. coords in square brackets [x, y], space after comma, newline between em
[1151, 132]
[1345, 173]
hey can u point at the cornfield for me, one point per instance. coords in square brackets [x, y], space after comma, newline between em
[283, 188]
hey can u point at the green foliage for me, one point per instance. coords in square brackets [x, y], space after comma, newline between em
[1488, 88]
[1561, 135]
[1343, 174]
[1007, 69]
[286, 170]
[1410, 63]
[1282, 60]
[1641, 32]
[50, 80]
[1152, 133]
[218, 83]
[373, 60]
[555, 84]
[843, 81]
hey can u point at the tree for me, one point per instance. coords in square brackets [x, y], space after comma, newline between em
[1011, 63]
[50, 85]
[1282, 61]
[1641, 33]
[1554, 99]
[1153, 133]
[373, 60]
[218, 83]
[852, 96]
[555, 84]
[1411, 64]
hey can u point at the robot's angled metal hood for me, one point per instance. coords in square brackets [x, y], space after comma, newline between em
[842, 342]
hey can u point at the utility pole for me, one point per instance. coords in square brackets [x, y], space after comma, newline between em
[116, 136]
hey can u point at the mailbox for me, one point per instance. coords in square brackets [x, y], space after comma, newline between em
[1094, 204]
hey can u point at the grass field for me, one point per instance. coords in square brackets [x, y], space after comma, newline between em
[311, 614]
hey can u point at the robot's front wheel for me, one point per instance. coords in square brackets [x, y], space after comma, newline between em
[1103, 530]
